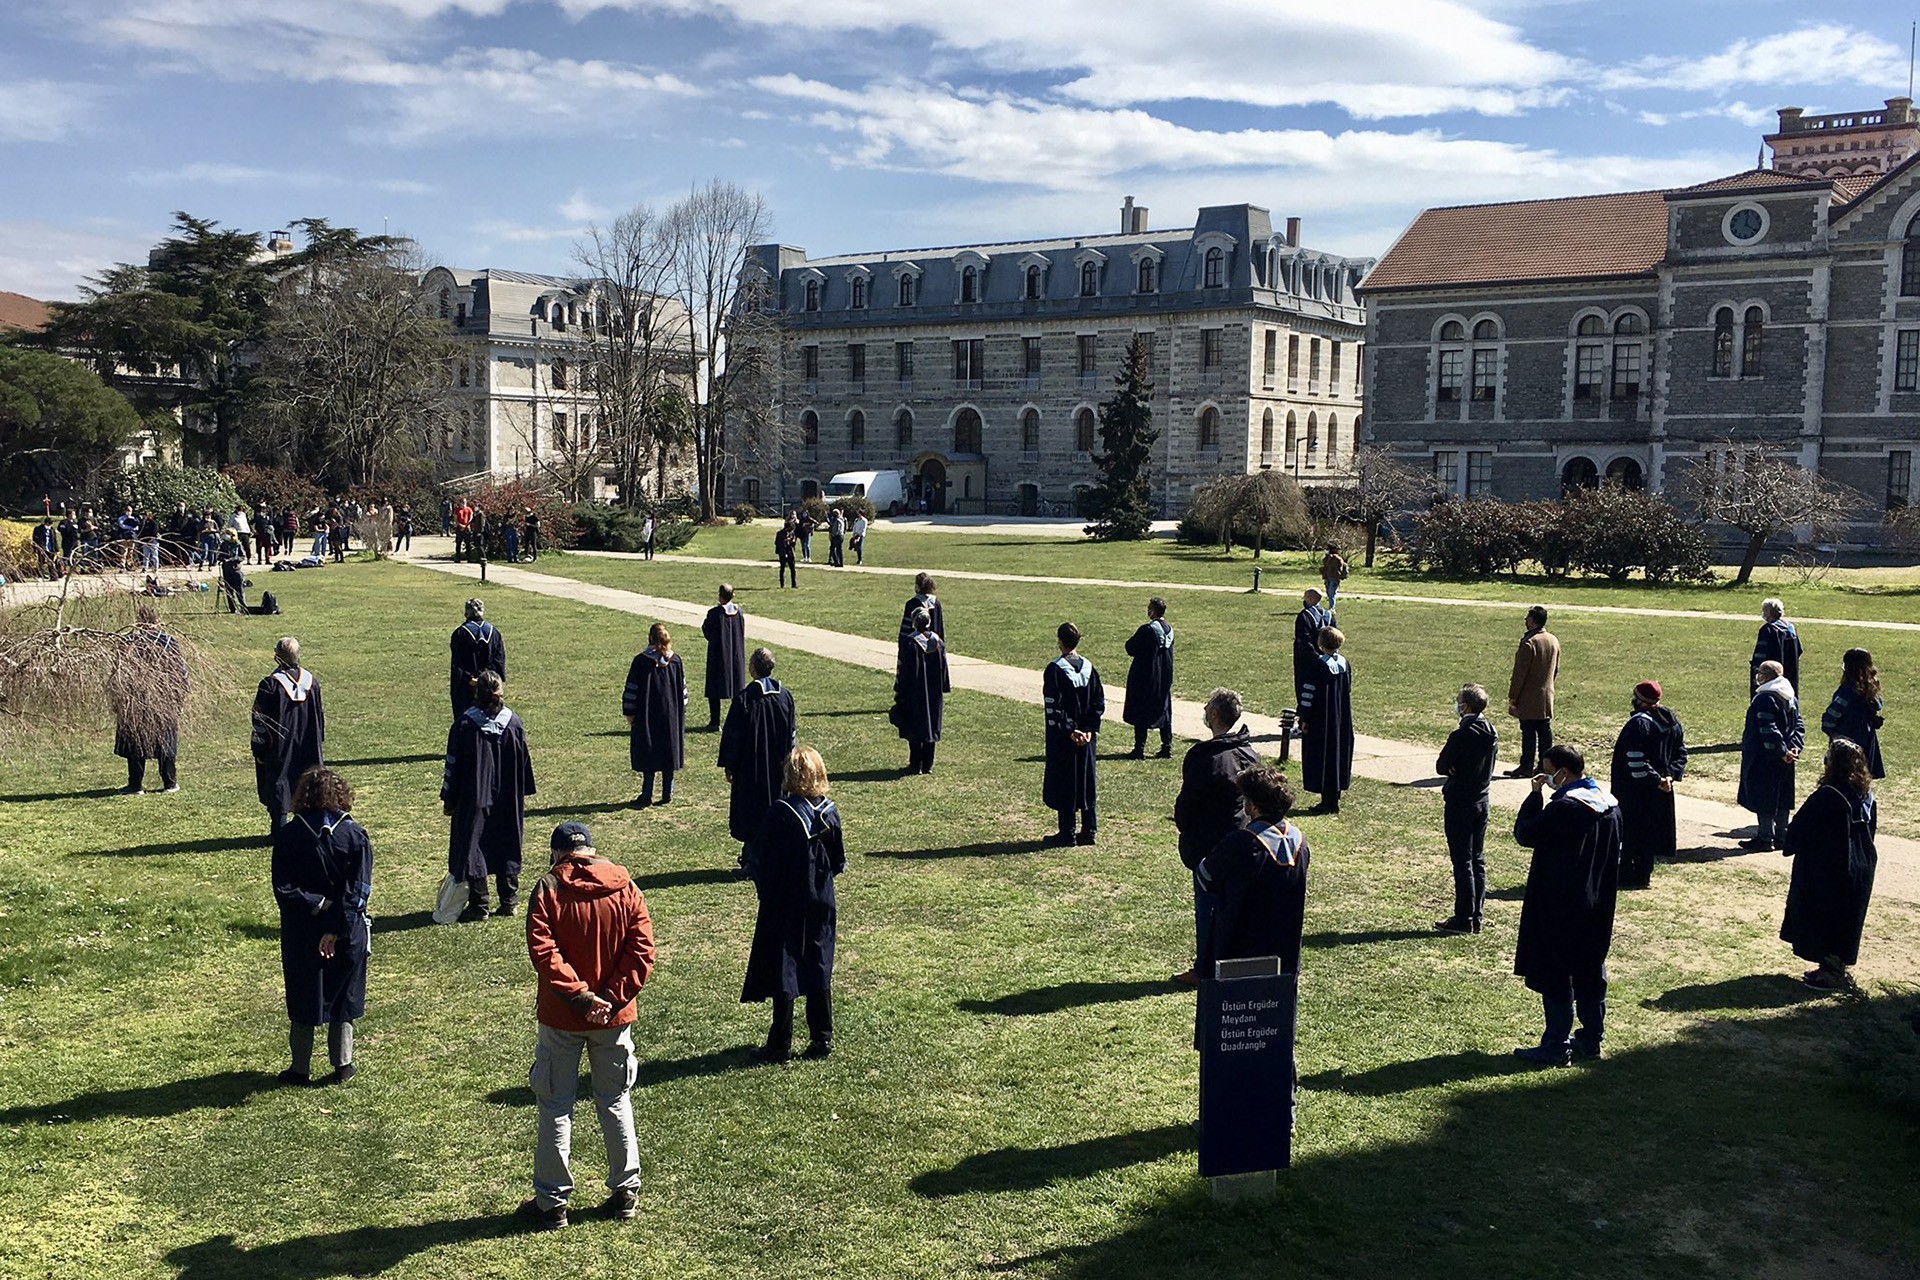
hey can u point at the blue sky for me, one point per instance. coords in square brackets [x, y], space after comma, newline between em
[494, 131]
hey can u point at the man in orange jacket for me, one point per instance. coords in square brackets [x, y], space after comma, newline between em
[592, 947]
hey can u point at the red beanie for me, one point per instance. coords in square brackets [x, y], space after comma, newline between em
[1647, 691]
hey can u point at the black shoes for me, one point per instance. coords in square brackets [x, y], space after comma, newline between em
[1453, 924]
[506, 907]
[343, 1073]
[1135, 754]
[1085, 837]
[295, 1079]
[769, 1054]
[475, 911]
[543, 1219]
[642, 801]
[1518, 773]
[1059, 839]
[622, 1205]
[1541, 1055]
[817, 1049]
[1757, 845]
[1166, 753]
[1586, 1047]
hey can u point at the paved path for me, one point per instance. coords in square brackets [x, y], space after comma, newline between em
[41, 591]
[1703, 823]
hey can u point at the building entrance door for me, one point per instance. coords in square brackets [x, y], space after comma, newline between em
[933, 485]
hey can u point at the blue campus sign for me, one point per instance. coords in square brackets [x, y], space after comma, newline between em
[1246, 1072]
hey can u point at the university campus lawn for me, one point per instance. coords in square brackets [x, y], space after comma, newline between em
[1012, 1085]
[1409, 658]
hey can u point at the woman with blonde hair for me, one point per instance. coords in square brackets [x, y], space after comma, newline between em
[793, 862]
[322, 878]
[655, 705]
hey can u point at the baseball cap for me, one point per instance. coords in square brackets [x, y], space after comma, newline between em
[571, 835]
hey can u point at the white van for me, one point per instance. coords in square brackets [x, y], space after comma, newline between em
[886, 490]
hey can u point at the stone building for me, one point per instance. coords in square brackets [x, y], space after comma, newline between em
[978, 370]
[1516, 349]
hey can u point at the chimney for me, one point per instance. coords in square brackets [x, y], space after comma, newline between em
[1293, 232]
[1790, 118]
[1126, 216]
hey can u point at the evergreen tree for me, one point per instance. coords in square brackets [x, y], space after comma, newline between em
[1122, 503]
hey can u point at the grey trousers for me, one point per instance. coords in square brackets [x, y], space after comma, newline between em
[556, 1083]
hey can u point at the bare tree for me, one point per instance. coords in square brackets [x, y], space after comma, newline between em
[1763, 496]
[1384, 489]
[735, 342]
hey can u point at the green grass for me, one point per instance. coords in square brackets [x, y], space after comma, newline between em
[1012, 1083]
[1409, 659]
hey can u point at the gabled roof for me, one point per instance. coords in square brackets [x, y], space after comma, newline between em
[1847, 190]
[1752, 180]
[1575, 237]
[17, 311]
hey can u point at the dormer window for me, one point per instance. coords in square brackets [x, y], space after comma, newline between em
[1215, 273]
[857, 293]
[907, 288]
[1148, 280]
[813, 295]
[1089, 279]
[969, 284]
[1034, 279]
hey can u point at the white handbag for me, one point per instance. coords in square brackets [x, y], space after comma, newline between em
[452, 900]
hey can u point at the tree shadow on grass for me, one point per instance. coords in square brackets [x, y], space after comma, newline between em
[1066, 995]
[1029, 1168]
[360, 1251]
[212, 844]
[369, 762]
[1362, 937]
[985, 849]
[1754, 991]
[1421, 1073]
[219, 1091]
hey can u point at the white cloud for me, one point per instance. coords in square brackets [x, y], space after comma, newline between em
[492, 231]
[44, 110]
[46, 261]
[210, 174]
[1815, 55]
[1739, 112]
[578, 208]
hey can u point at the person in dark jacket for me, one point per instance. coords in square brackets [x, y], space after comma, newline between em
[150, 685]
[233, 571]
[46, 546]
[1149, 703]
[1466, 762]
[655, 705]
[725, 628]
[1257, 875]
[793, 860]
[920, 688]
[1855, 711]
[1769, 746]
[1210, 805]
[1831, 842]
[322, 879]
[923, 598]
[1649, 757]
[1566, 921]
[1776, 642]
[1307, 626]
[1326, 715]
[1075, 702]
[476, 646]
[289, 730]
[784, 543]
[754, 744]
[484, 789]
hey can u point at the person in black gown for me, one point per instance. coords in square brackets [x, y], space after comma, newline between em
[923, 598]
[1778, 642]
[1855, 711]
[1210, 804]
[754, 743]
[725, 628]
[322, 878]
[1307, 625]
[1326, 718]
[793, 861]
[1566, 920]
[1770, 747]
[1149, 703]
[1257, 876]
[289, 730]
[1831, 842]
[655, 705]
[1075, 702]
[1649, 757]
[484, 789]
[920, 688]
[476, 646]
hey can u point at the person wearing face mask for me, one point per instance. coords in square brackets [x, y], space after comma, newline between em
[1466, 762]
[1566, 920]
[1648, 758]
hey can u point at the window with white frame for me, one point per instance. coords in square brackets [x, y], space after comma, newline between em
[1209, 438]
[1089, 279]
[1486, 360]
[857, 293]
[1450, 365]
[1215, 268]
[969, 354]
[1752, 325]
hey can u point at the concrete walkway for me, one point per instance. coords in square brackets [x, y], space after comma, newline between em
[42, 591]
[1704, 824]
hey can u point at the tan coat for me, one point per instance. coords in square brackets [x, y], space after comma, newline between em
[1535, 664]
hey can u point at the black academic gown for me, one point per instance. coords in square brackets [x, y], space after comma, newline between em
[322, 878]
[1566, 921]
[1149, 703]
[1831, 843]
[1075, 699]
[1652, 745]
[1306, 644]
[793, 860]
[154, 733]
[1258, 876]
[725, 628]
[1326, 705]
[920, 688]
[1778, 642]
[289, 727]
[754, 743]
[1852, 717]
[477, 648]
[656, 698]
[487, 779]
[932, 605]
[1773, 728]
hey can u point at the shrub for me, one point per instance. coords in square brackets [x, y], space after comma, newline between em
[624, 529]
[278, 487]
[157, 486]
[1609, 531]
[1470, 536]
[1265, 509]
[745, 513]
[497, 503]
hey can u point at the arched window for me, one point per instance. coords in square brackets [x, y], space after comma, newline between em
[1313, 438]
[446, 303]
[557, 317]
[1083, 431]
[1453, 331]
[1723, 343]
[857, 293]
[1273, 269]
[1333, 439]
[1590, 326]
[1751, 333]
[906, 291]
[813, 295]
[1627, 356]
[1486, 331]
[1033, 281]
[903, 430]
[1030, 431]
[1627, 326]
[1293, 435]
[559, 374]
[966, 432]
[1266, 438]
[1215, 268]
[1579, 473]
[1089, 279]
[1910, 261]
[1486, 360]
[809, 435]
[969, 284]
[1146, 275]
[1209, 428]
[856, 432]
[1626, 473]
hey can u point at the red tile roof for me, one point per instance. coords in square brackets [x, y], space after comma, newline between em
[1847, 190]
[1577, 237]
[1753, 180]
[17, 311]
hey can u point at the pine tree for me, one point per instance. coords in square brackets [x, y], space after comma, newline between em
[1122, 503]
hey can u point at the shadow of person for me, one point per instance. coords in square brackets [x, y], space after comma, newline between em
[359, 1251]
[985, 849]
[1027, 1168]
[91, 793]
[1420, 1073]
[1066, 995]
[685, 878]
[1754, 991]
[218, 1091]
[369, 762]
[1361, 937]
[404, 922]
[212, 844]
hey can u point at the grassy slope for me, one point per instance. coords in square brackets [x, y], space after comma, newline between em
[1012, 1082]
